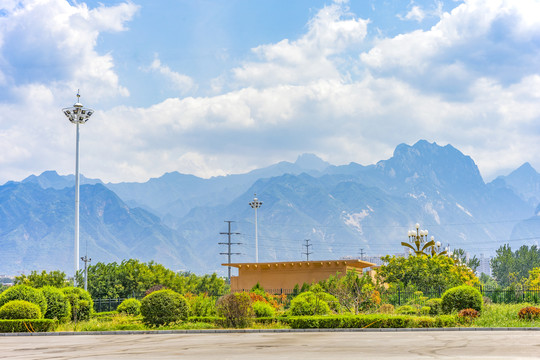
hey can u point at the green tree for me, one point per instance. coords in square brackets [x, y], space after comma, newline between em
[512, 268]
[354, 292]
[53, 278]
[461, 256]
[423, 272]
[132, 278]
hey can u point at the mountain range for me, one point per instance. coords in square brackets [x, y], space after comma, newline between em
[341, 211]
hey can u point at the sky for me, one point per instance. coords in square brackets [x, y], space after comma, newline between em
[216, 87]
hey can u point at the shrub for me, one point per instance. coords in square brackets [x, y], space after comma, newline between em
[81, 303]
[309, 303]
[369, 321]
[435, 306]
[468, 313]
[37, 325]
[164, 307]
[386, 309]
[236, 309]
[529, 313]
[130, 307]
[27, 293]
[406, 310]
[263, 309]
[201, 305]
[461, 297]
[58, 306]
[466, 316]
[425, 310]
[20, 309]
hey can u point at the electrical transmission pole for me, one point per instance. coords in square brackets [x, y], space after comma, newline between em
[229, 243]
[307, 245]
[362, 254]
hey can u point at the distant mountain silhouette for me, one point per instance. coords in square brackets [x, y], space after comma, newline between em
[176, 218]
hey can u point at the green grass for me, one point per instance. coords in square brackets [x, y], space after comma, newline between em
[504, 315]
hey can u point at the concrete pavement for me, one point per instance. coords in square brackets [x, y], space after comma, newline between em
[279, 345]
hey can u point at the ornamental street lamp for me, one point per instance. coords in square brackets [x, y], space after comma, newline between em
[255, 204]
[418, 241]
[77, 114]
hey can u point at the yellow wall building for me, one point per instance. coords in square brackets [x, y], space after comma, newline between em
[283, 276]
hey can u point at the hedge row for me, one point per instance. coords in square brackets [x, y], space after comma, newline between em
[370, 321]
[37, 325]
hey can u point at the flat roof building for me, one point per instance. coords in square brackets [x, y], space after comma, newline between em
[283, 276]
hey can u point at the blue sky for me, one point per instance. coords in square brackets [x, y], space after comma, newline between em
[219, 87]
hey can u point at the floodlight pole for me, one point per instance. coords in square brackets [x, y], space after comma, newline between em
[77, 115]
[255, 204]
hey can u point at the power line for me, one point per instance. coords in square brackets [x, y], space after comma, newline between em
[229, 244]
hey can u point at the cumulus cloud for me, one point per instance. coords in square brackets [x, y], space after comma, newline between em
[331, 32]
[470, 80]
[52, 42]
[180, 82]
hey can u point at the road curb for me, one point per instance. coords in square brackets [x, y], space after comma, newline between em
[250, 331]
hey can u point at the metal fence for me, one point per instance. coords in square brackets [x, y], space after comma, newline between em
[101, 305]
[496, 295]
[395, 297]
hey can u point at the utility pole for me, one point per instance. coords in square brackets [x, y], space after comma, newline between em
[362, 254]
[307, 245]
[229, 243]
[86, 260]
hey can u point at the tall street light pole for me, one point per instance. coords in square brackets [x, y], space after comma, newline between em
[77, 114]
[255, 204]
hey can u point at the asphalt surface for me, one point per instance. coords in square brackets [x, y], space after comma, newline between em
[478, 344]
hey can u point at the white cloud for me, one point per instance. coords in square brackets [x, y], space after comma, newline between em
[416, 13]
[180, 82]
[317, 93]
[331, 32]
[53, 43]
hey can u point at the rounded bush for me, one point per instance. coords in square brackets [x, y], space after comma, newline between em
[461, 297]
[263, 309]
[435, 305]
[406, 310]
[309, 303]
[20, 309]
[529, 313]
[27, 293]
[236, 309]
[163, 307]
[81, 303]
[386, 309]
[58, 306]
[130, 307]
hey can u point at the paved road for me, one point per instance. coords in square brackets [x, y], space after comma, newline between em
[294, 345]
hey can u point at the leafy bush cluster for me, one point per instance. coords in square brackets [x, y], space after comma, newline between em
[58, 306]
[370, 321]
[312, 303]
[27, 293]
[164, 307]
[461, 297]
[435, 306]
[386, 309]
[468, 313]
[19, 309]
[130, 307]
[32, 325]
[236, 309]
[529, 313]
[263, 309]
[80, 301]
[201, 305]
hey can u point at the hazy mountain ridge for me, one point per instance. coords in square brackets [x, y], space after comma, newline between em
[341, 209]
